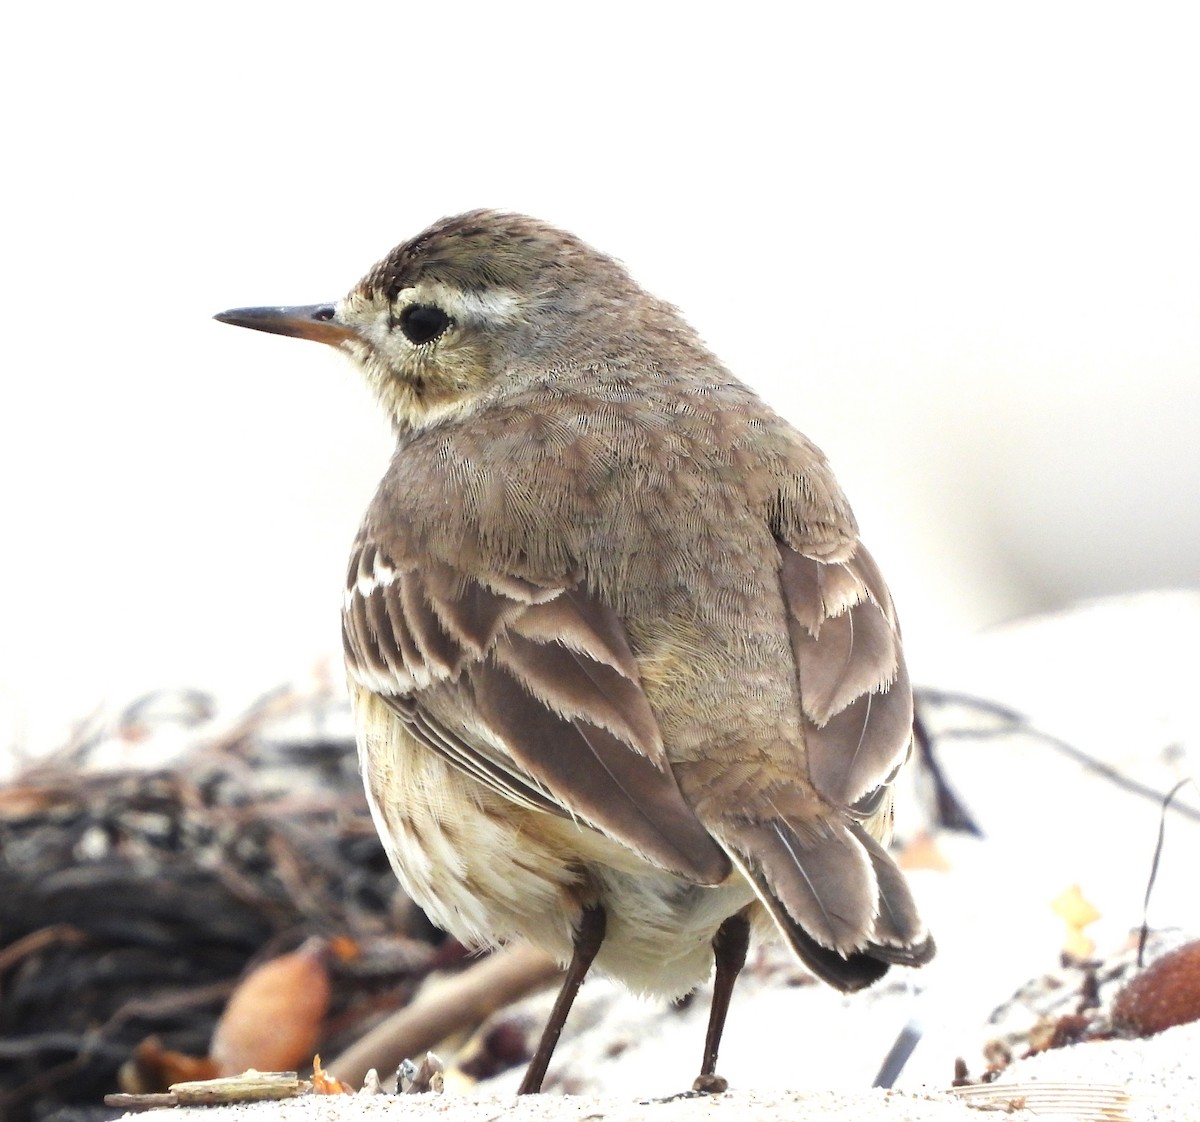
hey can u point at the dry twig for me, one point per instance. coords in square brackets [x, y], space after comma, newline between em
[462, 1002]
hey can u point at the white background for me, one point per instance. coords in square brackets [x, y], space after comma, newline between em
[958, 245]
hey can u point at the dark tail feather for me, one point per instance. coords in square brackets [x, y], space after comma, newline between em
[899, 936]
[836, 896]
[847, 973]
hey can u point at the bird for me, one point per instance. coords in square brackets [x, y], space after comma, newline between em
[626, 683]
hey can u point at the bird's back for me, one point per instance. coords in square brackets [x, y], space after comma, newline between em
[668, 503]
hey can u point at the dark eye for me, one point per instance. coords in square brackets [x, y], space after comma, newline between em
[422, 323]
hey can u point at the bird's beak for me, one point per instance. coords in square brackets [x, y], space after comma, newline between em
[311, 321]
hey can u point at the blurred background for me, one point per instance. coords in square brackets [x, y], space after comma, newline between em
[958, 245]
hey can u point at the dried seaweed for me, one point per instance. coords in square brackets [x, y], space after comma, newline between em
[131, 901]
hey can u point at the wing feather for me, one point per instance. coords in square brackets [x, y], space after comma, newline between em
[836, 895]
[531, 690]
[855, 695]
[575, 685]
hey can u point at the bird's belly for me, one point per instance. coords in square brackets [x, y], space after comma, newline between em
[488, 870]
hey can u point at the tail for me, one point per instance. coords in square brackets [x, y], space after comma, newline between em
[836, 896]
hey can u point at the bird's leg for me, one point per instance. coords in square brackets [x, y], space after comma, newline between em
[729, 951]
[588, 937]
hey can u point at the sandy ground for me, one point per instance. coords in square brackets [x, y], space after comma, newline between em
[1116, 679]
[828, 1106]
[1138, 1081]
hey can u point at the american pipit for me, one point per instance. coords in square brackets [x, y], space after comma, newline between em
[625, 679]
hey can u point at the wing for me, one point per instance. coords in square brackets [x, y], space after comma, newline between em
[531, 690]
[831, 887]
[855, 695]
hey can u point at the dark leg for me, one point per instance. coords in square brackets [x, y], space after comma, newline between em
[729, 950]
[588, 937]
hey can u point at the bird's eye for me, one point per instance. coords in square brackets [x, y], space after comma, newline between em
[422, 323]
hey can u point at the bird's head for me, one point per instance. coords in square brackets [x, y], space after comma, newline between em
[472, 302]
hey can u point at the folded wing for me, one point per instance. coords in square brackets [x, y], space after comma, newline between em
[813, 852]
[532, 690]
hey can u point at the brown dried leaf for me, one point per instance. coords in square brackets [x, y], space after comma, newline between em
[152, 1068]
[273, 1019]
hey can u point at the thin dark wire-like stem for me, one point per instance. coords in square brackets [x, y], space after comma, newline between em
[1017, 722]
[1144, 934]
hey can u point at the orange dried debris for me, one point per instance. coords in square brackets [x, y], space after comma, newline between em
[923, 853]
[325, 1084]
[344, 948]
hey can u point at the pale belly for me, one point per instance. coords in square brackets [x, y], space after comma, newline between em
[488, 870]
